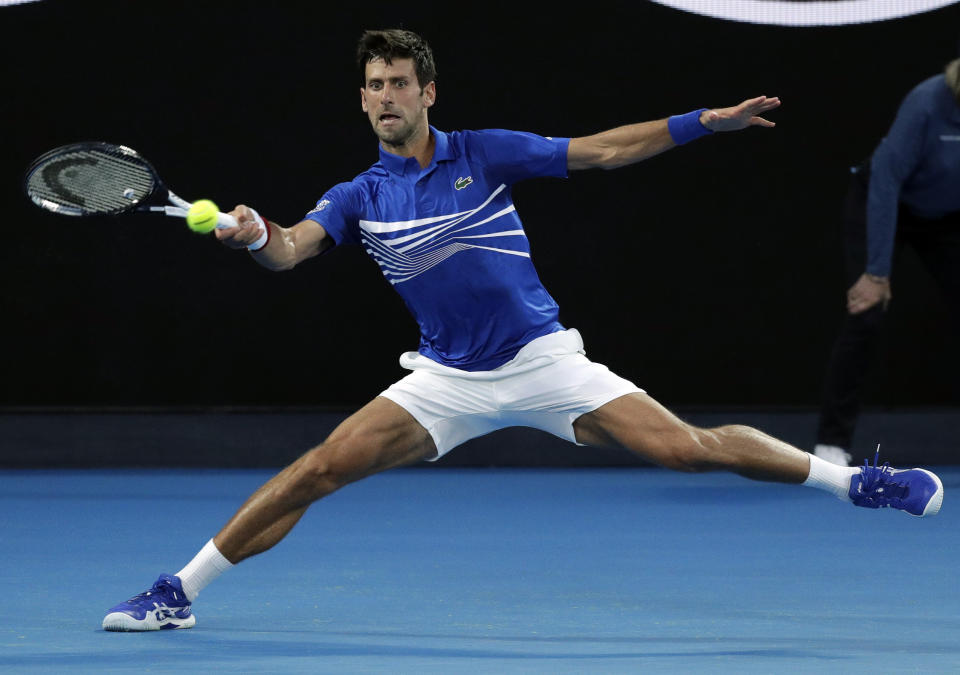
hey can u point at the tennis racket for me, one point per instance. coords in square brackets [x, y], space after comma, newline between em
[101, 179]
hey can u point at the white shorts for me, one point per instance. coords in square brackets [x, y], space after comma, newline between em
[547, 385]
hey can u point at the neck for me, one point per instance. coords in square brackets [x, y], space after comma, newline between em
[421, 146]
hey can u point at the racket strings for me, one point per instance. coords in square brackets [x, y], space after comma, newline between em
[89, 181]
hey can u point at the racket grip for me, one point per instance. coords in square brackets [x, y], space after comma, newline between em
[225, 220]
[264, 236]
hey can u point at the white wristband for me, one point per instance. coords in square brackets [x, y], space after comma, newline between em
[264, 238]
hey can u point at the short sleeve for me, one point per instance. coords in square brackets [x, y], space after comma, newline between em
[513, 156]
[338, 211]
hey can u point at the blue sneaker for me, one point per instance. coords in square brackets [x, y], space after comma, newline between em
[163, 606]
[916, 491]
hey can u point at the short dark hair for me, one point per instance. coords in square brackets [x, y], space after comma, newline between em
[396, 43]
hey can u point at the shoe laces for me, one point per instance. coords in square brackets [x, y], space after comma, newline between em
[878, 488]
[157, 594]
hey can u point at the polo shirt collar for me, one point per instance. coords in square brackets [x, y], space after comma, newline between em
[398, 165]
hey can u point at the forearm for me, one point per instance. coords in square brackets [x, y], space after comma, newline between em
[896, 158]
[881, 231]
[287, 247]
[633, 143]
[274, 247]
[883, 198]
[280, 251]
[623, 145]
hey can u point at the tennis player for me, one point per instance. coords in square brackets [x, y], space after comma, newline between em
[437, 216]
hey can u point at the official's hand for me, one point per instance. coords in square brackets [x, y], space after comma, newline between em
[740, 116]
[246, 232]
[867, 292]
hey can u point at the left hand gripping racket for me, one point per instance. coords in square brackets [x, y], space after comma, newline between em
[101, 179]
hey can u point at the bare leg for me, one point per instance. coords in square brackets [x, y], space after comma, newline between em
[379, 436]
[643, 426]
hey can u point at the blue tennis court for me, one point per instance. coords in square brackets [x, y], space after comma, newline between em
[484, 571]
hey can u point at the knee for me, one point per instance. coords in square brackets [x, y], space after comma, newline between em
[688, 449]
[324, 469]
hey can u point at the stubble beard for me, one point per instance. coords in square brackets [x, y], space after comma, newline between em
[397, 137]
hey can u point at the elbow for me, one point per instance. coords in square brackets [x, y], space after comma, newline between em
[592, 152]
[604, 159]
[607, 158]
[614, 158]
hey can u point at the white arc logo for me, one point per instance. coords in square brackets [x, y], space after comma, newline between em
[791, 13]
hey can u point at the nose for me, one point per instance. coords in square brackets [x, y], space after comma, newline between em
[386, 94]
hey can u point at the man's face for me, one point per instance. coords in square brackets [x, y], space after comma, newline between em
[394, 101]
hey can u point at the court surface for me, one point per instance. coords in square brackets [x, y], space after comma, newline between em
[485, 571]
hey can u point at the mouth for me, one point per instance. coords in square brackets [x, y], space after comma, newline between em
[388, 118]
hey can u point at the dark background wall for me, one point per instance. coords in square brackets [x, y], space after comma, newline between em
[709, 275]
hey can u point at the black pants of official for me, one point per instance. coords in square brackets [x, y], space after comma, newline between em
[937, 242]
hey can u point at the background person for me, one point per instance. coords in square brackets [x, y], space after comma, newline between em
[906, 194]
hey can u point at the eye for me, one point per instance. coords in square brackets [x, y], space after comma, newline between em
[375, 85]
[401, 84]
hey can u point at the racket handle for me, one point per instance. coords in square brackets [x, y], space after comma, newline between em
[225, 220]
[264, 236]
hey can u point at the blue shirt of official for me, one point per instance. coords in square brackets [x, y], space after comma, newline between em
[917, 165]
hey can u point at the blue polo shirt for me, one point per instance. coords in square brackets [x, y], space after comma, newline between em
[449, 240]
[917, 165]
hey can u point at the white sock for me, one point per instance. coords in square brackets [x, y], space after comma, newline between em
[206, 566]
[830, 477]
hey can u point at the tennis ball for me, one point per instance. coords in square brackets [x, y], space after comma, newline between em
[202, 216]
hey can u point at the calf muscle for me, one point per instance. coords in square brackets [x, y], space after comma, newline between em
[378, 437]
[639, 424]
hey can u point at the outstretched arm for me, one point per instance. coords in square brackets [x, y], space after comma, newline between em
[635, 142]
[284, 247]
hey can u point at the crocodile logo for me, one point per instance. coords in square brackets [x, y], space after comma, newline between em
[463, 182]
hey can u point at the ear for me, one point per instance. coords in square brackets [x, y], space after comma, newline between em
[363, 100]
[430, 94]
